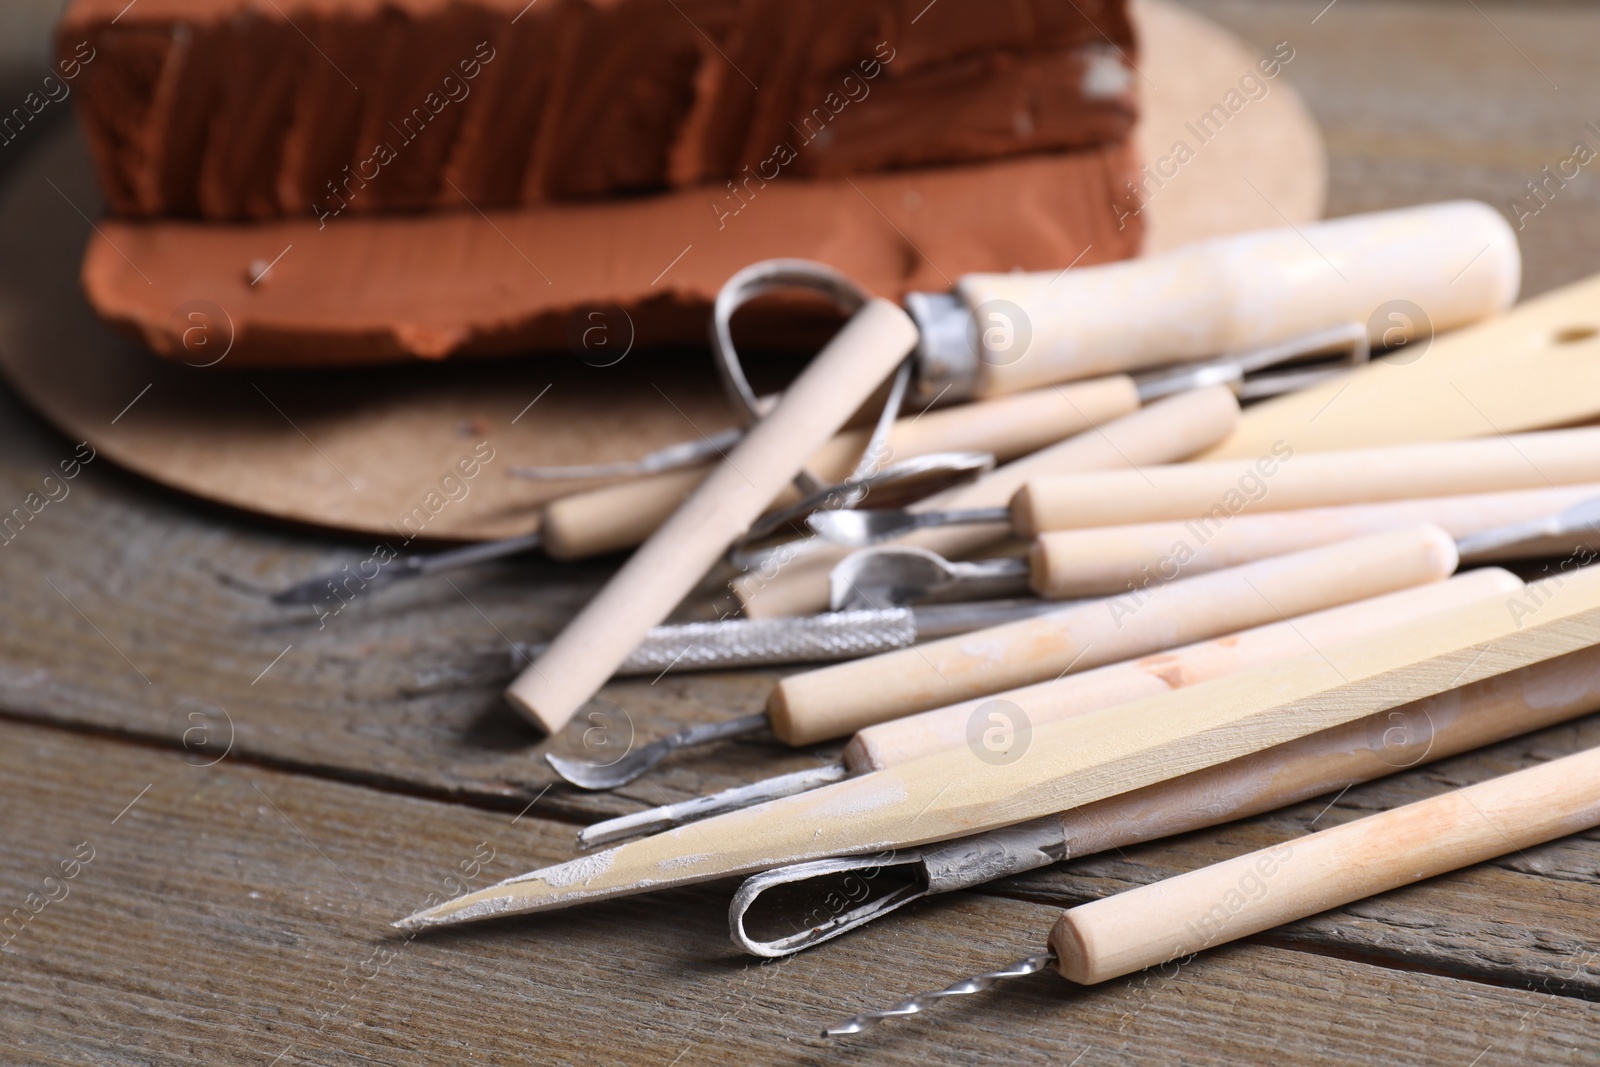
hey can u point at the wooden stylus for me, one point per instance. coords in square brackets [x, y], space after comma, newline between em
[1180, 916]
[667, 566]
[1107, 560]
[1286, 480]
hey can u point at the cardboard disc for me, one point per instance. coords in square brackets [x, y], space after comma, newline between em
[388, 453]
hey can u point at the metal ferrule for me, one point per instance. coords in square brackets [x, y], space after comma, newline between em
[948, 369]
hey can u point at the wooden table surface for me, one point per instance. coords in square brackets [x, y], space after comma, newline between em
[247, 797]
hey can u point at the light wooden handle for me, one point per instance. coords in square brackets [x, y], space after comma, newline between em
[1285, 480]
[1229, 900]
[667, 566]
[1432, 728]
[619, 516]
[1534, 367]
[1165, 432]
[1457, 260]
[1106, 560]
[898, 741]
[841, 699]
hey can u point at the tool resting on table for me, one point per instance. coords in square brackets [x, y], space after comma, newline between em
[1287, 480]
[1105, 560]
[1180, 916]
[1459, 260]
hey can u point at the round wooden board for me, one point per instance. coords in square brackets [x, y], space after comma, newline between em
[346, 450]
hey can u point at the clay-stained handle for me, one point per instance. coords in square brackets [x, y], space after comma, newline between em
[1165, 432]
[1107, 560]
[839, 700]
[667, 566]
[1458, 260]
[1229, 900]
[615, 517]
[890, 744]
[1285, 480]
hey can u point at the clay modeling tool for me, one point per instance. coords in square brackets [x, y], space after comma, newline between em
[830, 702]
[680, 552]
[1166, 431]
[614, 517]
[1068, 764]
[1191, 912]
[1105, 560]
[1210, 494]
[888, 575]
[999, 333]
[1481, 714]
[1287, 480]
[900, 741]
[827, 638]
[1534, 367]
[838, 700]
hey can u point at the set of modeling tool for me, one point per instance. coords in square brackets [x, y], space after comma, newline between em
[1062, 593]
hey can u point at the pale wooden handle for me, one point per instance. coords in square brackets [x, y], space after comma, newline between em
[1459, 261]
[1229, 900]
[1432, 728]
[841, 699]
[1285, 480]
[1165, 432]
[889, 744]
[667, 566]
[615, 517]
[1106, 560]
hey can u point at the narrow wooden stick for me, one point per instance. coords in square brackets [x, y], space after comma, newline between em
[889, 744]
[614, 517]
[1106, 560]
[839, 700]
[1165, 432]
[1283, 480]
[666, 567]
[1225, 901]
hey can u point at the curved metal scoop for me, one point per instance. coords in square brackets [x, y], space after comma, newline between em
[620, 772]
[894, 576]
[868, 526]
[902, 481]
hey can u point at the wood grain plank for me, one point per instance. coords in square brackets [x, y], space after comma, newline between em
[234, 914]
[128, 606]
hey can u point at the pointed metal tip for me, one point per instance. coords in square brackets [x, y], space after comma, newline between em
[923, 1001]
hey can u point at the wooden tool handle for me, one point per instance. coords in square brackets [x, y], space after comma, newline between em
[841, 699]
[1433, 728]
[666, 567]
[1285, 480]
[1231, 294]
[1536, 366]
[1229, 900]
[619, 516]
[1165, 432]
[1106, 560]
[890, 744]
